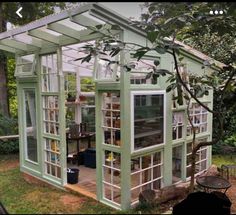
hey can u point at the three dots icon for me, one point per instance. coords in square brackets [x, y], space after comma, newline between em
[216, 12]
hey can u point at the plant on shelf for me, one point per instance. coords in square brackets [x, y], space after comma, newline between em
[71, 97]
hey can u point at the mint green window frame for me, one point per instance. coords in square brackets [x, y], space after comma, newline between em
[144, 93]
[30, 145]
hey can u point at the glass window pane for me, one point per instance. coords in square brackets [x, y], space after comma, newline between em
[176, 164]
[49, 73]
[31, 129]
[156, 158]
[148, 120]
[146, 173]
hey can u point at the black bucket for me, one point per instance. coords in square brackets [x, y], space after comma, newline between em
[72, 175]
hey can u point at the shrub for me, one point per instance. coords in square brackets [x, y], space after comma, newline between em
[9, 147]
[8, 126]
[228, 146]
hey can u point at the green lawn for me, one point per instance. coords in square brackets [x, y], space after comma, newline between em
[218, 160]
[20, 197]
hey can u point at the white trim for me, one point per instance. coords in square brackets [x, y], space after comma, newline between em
[147, 92]
[199, 161]
[151, 180]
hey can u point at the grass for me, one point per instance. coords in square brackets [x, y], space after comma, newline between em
[21, 197]
[218, 160]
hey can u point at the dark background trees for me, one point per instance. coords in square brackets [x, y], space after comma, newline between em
[30, 12]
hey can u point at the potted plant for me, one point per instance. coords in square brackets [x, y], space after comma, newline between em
[71, 97]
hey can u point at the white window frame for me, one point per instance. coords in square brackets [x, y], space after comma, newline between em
[181, 167]
[111, 184]
[110, 128]
[151, 167]
[26, 157]
[147, 92]
[202, 112]
[177, 126]
[197, 162]
[20, 64]
[96, 72]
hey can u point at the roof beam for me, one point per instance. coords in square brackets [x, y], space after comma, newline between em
[29, 40]
[108, 16]
[46, 20]
[65, 30]
[84, 21]
[43, 35]
[58, 40]
[18, 45]
[8, 49]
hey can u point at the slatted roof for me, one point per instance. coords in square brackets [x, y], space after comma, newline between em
[71, 26]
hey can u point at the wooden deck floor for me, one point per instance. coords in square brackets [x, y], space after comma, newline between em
[86, 182]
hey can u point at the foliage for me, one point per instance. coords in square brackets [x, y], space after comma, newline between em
[218, 160]
[8, 126]
[30, 12]
[9, 146]
[11, 85]
[231, 141]
[87, 85]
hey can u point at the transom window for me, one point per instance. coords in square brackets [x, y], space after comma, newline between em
[25, 65]
[138, 80]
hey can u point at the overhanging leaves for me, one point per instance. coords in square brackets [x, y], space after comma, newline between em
[139, 54]
[152, 36]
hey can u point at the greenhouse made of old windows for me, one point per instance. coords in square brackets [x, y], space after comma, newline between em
[142, 138]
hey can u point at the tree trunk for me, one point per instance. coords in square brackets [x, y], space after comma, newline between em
[4, 105]
[193, 167]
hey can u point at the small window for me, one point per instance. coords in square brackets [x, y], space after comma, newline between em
[25, 65]
[106, 68]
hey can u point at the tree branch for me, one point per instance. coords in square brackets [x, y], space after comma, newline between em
[187, 89]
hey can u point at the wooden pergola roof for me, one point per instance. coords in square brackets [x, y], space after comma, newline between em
[71, 26]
